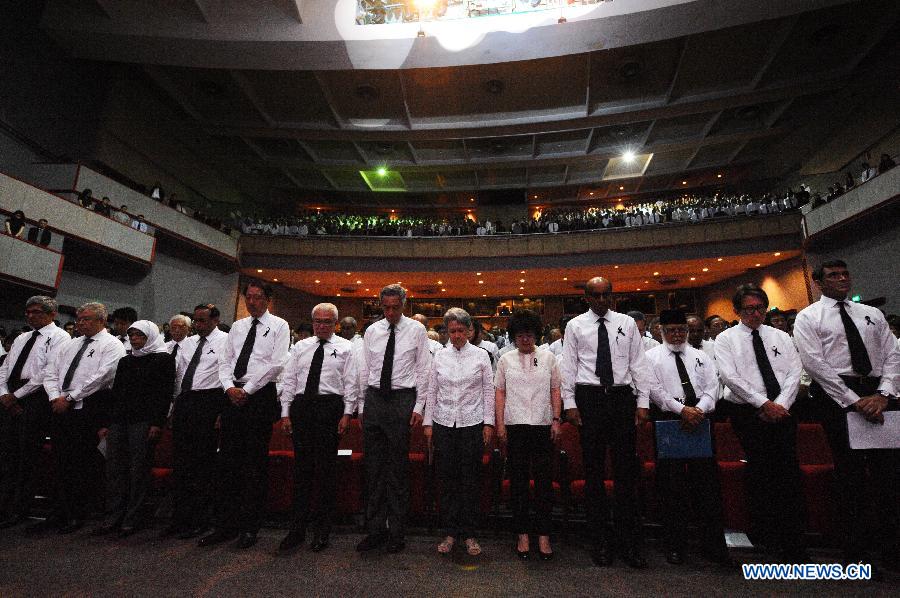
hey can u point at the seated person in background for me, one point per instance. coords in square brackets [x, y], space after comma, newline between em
[123, 216]
[140, 225]
[885, 164]
[15, 225]
[867, 172]
[103, 208]
[85, 198]
[40, 233]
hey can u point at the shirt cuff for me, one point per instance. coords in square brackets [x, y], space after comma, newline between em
[427, 421]
[249, 388]
[887, 387]
[758, 400]
[489, 421]
[643, 402]
[419, 408]
[285, 410]
[850, 398]
[19, 394]
[569, 404]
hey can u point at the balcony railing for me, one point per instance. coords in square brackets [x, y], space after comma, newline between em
[29, 264]
[871, 195]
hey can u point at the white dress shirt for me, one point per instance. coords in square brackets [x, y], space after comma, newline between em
[170, 346]
[460, 388]
[434, 347]
[96, 370]
[556, 347]
[626, 349]
[668, 393]
[411, 358]
[50, 337]
[820, 337]
[527, 379]
[270, 351]
[649, 343]
[739, 371]
[338, 377]
[206, 376]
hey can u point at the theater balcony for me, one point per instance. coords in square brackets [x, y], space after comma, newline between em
[29, 265]
[854, 208]
[176, 232]
[96, 241]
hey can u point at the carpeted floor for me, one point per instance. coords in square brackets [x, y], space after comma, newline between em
[144, 565]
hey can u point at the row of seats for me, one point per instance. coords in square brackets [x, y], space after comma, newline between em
[812, 447]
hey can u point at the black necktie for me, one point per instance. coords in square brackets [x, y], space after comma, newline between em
[773, 389]
[67, 379]
[175, 351]
[387, 367]
[188, 381]
[690, 395]
[859, 357]
[15, 376]
[315, 371]
[240, 368]
[603, 369]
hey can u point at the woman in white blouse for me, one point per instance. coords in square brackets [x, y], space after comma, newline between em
[527, 413]
[459, 417]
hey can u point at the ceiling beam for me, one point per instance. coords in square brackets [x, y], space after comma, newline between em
[329, 99]
[775, 44]
[162, 79]
[675, 109]
[247, 89]
[293, 8]
[201, 10]
[685, 42]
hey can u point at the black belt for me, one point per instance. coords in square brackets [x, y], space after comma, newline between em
[317, 396]
[604, 389]
[861, 379]
[398, 390]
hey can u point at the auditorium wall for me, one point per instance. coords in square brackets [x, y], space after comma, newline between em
[783, 282]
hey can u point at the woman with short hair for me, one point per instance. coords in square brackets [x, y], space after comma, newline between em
[459, 417]
[528, 407]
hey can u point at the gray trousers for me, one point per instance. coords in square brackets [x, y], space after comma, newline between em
[386, 442]
[128, 459]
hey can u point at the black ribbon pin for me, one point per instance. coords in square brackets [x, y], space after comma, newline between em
[91, 354]
[699, 363]
[266, 333]
[869, 321]
[775, 351]
[535, 362]
[210, 352]
[620, 331]
[334, 353]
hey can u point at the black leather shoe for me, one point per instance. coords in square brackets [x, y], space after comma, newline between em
[217, 537]
[12, 520]
[371, 542]
[522, 554]
[634, 559]
[395, 545]
[72, 525]
[106, 528]
[319, 544]
[245, 540]
[674, 557]
[291, 541]
[187, 534]
[601, 556]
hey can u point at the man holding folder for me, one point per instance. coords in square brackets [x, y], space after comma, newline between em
[852, 357]
[685, 388]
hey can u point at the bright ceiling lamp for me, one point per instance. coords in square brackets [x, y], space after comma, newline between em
[628, 157]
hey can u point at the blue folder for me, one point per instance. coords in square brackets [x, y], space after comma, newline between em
[674, 443]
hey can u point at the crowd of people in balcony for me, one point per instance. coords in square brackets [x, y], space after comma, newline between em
[16, 225]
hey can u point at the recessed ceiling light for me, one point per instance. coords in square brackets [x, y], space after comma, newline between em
[628, 156]
[484, 295]
[521, 294]
[693, 278]
[440, 282]
[646, 282]
[367, 289]
[758, 265]
[471, 199]
[565, 278]
[718, 176]
[719, 260]
[478, 274]
[615, 267]
[358, 282]
[318, 281]
[480, 282]
[706, 269]
[639, 288]
[443, 290]
[522, 272]
[621, 188]
[777, 253]
[260, 271]
[338, 294]
[591, 193]
[348, 273]
[684, 182]
[656, 274]
[521, 280]
[274, 280]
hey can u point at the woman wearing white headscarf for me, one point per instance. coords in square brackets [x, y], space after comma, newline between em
[136, 414]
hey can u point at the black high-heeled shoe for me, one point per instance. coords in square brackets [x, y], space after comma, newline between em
[545, 556]
[522, 554]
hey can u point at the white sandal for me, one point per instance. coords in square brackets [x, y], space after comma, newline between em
[446, 546]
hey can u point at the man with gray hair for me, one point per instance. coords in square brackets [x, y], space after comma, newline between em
[394, 379]
[319, 389]
[348, 329]
[433, 344]
[77, 379]
[641, 321]
[24, 408]
[179, 329]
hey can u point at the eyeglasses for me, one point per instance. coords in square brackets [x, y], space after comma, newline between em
[760, 309]
[85, 319]
[323, 322]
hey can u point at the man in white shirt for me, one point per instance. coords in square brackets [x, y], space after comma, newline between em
[252, 358]
[686, 389]
[24, 408]
[433, 345]
[641, 321]
[79, 374]
[602, 358]
[761, 371]
[199, 400]
[848, 350]
[179, 329]
[393, 381]
[318, 396]
[479, 341]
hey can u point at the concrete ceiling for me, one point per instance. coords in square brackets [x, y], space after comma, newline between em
[712, 104]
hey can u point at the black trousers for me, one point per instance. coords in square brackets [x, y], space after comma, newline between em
[607, 420]
[195, 441]
[529, 454]
[129, 455]
[315, 438]
[457, 453]
[243, 464]
[866, 479]
[74, 437]
[386, 440]
[773, 477]
[21, 441]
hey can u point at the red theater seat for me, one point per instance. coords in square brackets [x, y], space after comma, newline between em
[350, 474]
[817, 478]
[161, 471]
[732, 469]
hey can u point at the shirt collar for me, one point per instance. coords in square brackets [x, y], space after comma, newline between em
[746, 329]
[48, 329]
[829, 302]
